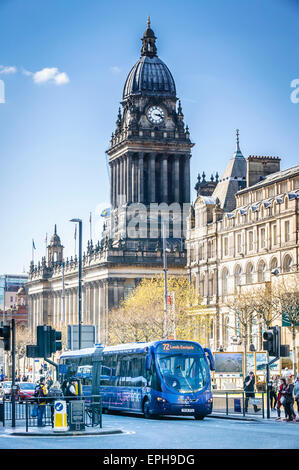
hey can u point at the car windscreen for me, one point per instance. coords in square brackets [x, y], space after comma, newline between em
[27, 386]
[183, 372]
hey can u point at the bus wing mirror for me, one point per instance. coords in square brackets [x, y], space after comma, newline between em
[148, 362]
[210, 358]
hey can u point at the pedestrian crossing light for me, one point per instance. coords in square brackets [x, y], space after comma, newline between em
[271, 341]
[5, 335]
[55, 341]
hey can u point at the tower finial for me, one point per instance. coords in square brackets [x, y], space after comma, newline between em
[149, 41]
[55, 230]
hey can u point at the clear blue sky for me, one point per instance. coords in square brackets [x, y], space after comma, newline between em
[232, 61]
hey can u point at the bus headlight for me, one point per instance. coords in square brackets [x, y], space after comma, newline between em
[210, 400]
[161, 400]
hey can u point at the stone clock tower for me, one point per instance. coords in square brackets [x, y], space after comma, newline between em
[149, 155]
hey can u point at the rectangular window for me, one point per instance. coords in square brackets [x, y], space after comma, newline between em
[283, 187]
[271, 191]
[250, 241]
[226, 246]
[263, 238]
[274, 234]
[239, 243]
[287, 231]
[259, 195]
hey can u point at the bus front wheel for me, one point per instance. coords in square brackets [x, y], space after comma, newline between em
[146, 410]
[199, 417]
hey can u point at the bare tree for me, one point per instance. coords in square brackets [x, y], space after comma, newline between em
[243, 307]
[288, 298]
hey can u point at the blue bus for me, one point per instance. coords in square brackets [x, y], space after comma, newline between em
[168, 377]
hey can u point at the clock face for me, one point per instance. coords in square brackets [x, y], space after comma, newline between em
[155, 115]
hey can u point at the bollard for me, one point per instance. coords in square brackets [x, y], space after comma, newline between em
[60, 416]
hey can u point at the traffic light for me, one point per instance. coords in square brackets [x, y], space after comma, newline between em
[5, 334]
[271, 341]
[48, 342]
[55, 341]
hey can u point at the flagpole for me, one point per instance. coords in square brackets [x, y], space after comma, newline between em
[90, 231]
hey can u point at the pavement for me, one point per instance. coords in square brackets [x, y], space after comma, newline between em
[48, 431]
[171, 432]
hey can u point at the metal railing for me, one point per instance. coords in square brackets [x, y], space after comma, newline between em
[238, 403]
[26, 413]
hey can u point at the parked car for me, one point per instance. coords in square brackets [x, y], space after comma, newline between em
[25, 390]
[6, 389]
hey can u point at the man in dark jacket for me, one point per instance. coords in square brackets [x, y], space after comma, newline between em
[249, 383]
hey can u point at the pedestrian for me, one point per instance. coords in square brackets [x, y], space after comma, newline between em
[287, 394]
[273, 396]
[2, 376]
[249, 383]
[280, 401]
[54, 394]
[296, 393]
[40, 393]
[71, 392]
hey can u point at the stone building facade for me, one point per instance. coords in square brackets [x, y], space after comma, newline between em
[149, 158]
[239, 235]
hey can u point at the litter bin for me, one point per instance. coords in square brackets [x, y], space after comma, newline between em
[237, 405]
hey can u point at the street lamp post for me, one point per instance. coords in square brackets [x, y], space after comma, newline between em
[79, 221]
[165, 279]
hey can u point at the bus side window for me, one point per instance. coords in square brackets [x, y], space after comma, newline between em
[153, 380]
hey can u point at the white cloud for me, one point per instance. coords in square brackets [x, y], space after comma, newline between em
[7, 69]
[115, 69]
[48, 74]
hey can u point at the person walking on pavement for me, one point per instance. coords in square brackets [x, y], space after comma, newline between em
[41, 392]
[55, 393]
[273, 396]
[249, 383]
[296, 394]
[70, 392]
[287, 394]
[280, 400]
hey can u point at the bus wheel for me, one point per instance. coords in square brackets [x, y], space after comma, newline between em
[146, 410]
[199, 417]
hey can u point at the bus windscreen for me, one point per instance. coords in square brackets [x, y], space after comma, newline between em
[183, 366]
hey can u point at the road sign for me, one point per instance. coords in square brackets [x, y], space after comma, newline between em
[88, 336]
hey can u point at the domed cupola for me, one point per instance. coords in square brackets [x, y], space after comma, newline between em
[149, 76]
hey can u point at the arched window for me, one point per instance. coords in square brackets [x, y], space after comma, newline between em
[287, 264]
[202, 286]
[249, 274]
[224, 281]
[261, 273]
[273, 264]
[238, 276]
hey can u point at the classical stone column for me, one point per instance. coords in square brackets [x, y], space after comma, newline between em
[176, 178]
[111, 183]
[164, 178]
[140, 177]
[129, 177]
[187, 179]
[152, 177]
[134, 180]
[117, 182]
[125, 162]
[113, 186]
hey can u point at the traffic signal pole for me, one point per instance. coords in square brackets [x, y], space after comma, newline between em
[271, 344]
[13, 373]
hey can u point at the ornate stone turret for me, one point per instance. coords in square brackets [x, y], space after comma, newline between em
[55, 249]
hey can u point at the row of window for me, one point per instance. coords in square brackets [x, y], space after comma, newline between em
[207, 284]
